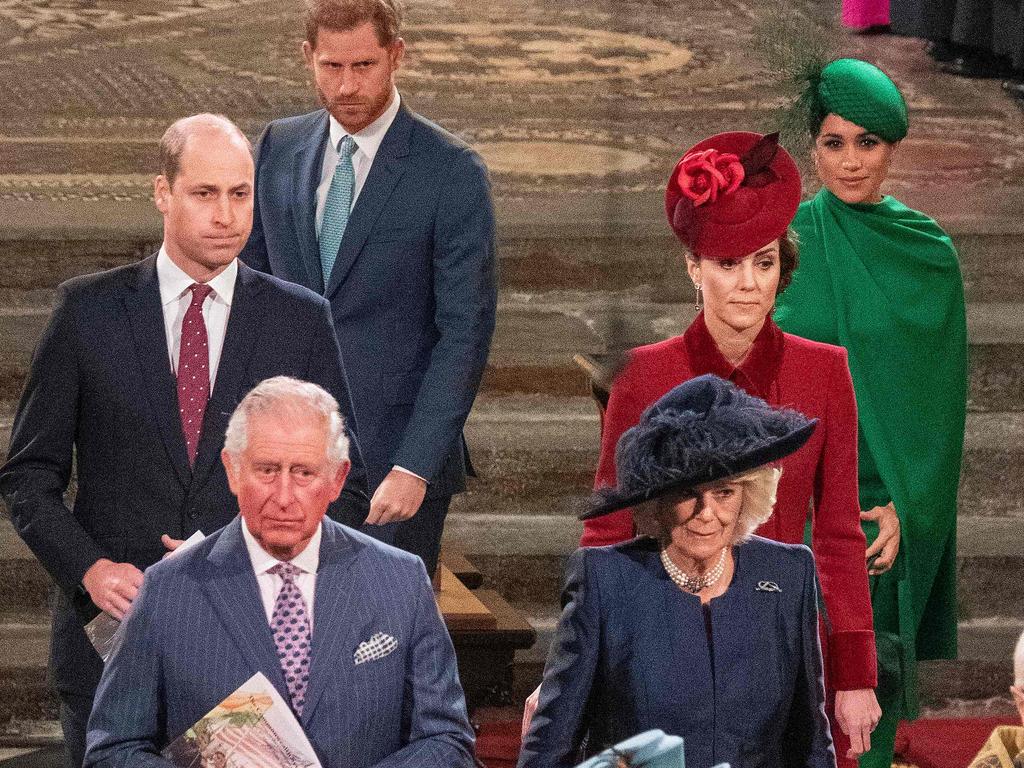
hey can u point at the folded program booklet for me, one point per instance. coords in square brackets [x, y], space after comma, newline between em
[102, 631]
[251, 728]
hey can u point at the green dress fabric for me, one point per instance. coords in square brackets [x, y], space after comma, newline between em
[883, 281]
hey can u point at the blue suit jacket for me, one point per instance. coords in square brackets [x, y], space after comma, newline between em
[198, 630]
[413, 290]
[101, 391]
[631, 653]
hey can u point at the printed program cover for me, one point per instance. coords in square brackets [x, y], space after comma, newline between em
[251, 728]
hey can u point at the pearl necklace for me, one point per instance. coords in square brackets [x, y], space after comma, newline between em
[693, 584]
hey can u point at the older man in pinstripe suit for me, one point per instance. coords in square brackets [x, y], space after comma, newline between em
[345, 627]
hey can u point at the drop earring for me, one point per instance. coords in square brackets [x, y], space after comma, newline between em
[697, 303]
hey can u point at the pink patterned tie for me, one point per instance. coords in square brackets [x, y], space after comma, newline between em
[290, 625]
[194, 370]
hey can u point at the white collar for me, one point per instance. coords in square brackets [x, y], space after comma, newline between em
[173, 280]
[307, 560]
[369, 139]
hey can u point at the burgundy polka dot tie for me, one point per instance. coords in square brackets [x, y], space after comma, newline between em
[290, 625]
[194, 369]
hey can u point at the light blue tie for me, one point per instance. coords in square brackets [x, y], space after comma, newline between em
[337, 207]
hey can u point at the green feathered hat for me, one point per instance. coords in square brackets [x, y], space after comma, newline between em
[861, 93]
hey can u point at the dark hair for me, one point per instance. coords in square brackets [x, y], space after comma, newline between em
[172, 143]
[789, 259]
[815, 117]
[343, 15]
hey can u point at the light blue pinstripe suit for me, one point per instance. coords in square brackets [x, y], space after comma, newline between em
[198, 630]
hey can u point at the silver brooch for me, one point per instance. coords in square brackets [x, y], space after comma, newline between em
[767, 586]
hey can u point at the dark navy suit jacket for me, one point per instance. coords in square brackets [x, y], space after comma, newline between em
[198, 630]
[631, 653]
[413, 290]
[101, 391]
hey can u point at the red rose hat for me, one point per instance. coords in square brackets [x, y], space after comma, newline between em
[732, 194]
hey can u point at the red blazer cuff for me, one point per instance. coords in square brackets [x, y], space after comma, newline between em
[852, 662]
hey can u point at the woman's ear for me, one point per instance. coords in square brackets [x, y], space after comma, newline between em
[693, 269]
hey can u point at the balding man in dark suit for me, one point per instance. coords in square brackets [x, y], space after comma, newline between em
[134, 378]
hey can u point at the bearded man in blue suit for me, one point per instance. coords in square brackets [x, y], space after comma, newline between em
[390, 218]
[369, 671]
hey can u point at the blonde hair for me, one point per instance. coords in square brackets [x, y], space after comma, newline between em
[759, 488]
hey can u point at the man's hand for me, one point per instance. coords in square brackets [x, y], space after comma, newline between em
[112, 586]
[170, 544]
[529, 708]
[857, 713]
[397, 498]
[884, 548]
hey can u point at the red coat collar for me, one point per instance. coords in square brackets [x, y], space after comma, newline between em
[759, 368]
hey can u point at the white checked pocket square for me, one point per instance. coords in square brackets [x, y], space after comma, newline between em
[377, 647]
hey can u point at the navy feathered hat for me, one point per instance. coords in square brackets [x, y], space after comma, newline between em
[703, 430]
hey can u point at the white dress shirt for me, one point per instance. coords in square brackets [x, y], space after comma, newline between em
[367, 143]
[175, 298]
[307, 561]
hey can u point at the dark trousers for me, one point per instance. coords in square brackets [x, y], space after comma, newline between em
[420, 534]
[74, 715]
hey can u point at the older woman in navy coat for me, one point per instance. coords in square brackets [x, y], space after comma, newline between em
[702, 630]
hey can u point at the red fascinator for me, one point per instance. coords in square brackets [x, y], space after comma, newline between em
[732, 194]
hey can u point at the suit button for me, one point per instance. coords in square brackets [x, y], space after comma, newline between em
[193, 513]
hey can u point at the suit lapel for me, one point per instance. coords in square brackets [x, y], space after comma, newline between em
[145, 315]
[230, 584]
[307, 163]
[336, 618]
[243, 330]
[385, 173]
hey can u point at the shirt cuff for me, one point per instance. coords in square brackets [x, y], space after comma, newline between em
[408, 472]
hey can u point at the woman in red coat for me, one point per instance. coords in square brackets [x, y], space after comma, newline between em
[730, 200]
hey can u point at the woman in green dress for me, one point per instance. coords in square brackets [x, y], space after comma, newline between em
[884, 281]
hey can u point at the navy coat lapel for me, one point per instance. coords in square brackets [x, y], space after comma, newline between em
[336, 617]
[230, 584]
[145, 315]
[308, 161]
[385, 173]
[245, 323]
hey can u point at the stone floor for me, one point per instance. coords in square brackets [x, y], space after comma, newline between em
[582, 104]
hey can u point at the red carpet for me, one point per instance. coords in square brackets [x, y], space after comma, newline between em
[940, 743]
[929, 743]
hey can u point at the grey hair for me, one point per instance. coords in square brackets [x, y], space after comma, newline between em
[172, 143]
[285, 396]
[759, 489]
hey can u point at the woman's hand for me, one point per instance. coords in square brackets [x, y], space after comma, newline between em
[1018, 699]
[883, 550]
[857, 713]
[529, 708]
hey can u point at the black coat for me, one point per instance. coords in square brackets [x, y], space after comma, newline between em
[101, 391]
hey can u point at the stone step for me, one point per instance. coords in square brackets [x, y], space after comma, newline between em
[538, 334]
[582, 244]
[982, 672]
[536, 456]
[24, 691]
[523, 557]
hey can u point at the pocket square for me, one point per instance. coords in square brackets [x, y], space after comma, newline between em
[377, 647]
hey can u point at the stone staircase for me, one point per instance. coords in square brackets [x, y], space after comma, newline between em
[534, 436]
